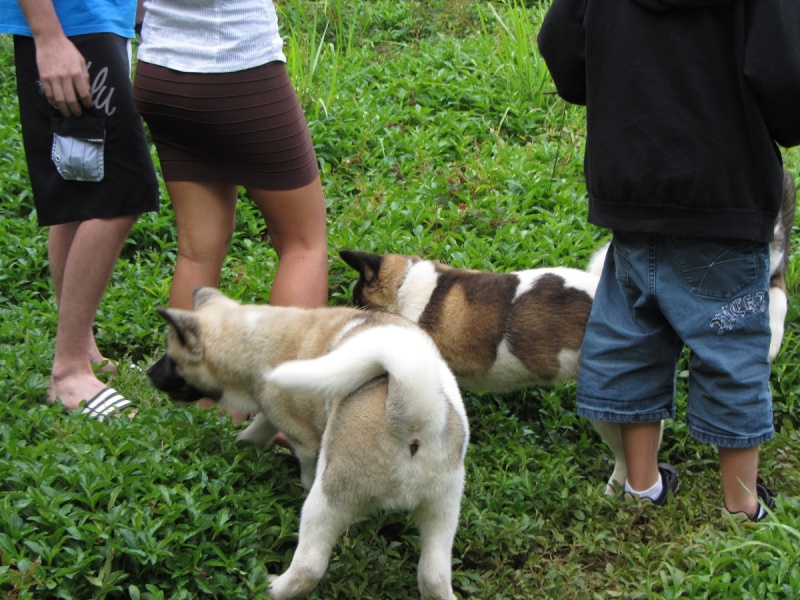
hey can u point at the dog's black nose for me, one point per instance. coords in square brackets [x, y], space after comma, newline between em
[164, 376]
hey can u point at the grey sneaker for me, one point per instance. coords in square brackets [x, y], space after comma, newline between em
[669, 477]
[669, 480]
[765, 499]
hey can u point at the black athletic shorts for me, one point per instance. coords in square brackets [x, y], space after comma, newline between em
[98, 165]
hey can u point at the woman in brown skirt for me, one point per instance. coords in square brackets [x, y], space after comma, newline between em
[212, 86]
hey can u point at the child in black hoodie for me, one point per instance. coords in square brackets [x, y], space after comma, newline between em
[685, 102]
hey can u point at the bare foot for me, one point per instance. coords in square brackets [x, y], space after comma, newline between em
[73, 390]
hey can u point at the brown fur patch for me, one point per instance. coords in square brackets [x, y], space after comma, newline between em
[470, 313]
[384, 289]
[466, 315]
[547, 319]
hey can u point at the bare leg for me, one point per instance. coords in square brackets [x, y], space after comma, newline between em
[297, 226]
[59, 242]
[205, 214]
[298, 229]
[82, 257]
[641, 442]
[611, 433]
[739, 468]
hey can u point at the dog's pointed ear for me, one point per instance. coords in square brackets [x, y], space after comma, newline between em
[205, 294]
[368, 265]
[186, 327]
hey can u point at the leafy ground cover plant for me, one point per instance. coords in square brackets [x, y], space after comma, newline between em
[437, 135]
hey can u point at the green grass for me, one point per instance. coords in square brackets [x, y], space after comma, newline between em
[437, 135]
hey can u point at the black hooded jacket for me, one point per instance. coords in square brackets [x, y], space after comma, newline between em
[685, 101]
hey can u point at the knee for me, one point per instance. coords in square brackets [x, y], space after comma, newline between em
[205, 248]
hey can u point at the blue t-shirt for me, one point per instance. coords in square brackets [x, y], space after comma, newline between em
[78, 17]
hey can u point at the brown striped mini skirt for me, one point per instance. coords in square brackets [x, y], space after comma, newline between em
[244, 128]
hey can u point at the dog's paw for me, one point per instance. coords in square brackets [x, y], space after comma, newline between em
[244, 441]
[272, 579]
[277, 588]
[273, 591]
[294, 583]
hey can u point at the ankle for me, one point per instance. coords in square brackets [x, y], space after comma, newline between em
[69, 366]
[650, 493]
[764, 502]
[658, 493]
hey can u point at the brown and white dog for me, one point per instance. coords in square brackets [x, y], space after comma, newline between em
[372, 411]
[497, 331]
[504, 331]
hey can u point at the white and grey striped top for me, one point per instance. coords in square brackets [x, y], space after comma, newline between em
[210, 36]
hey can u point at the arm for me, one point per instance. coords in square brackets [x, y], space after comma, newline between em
[140, 10]
[562, 44]
[62, 68]
[772, 66]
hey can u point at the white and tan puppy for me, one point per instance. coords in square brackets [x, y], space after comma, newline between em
[372, 411]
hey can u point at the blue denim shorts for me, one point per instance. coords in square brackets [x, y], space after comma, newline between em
[659, 293]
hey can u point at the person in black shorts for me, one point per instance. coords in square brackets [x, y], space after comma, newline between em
[90, 169]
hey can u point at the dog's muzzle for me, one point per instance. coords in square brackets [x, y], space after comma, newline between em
[164, 376]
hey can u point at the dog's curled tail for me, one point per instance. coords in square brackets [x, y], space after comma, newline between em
[418, 377]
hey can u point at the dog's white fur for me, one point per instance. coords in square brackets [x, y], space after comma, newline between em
[429, 490]
[778, 259]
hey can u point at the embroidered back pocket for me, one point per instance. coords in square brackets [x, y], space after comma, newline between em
[717, 268]
[78, 151]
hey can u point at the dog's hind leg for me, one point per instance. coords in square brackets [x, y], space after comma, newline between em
[321, 525]
[437, 519]
[611, 434]
[308, 465]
